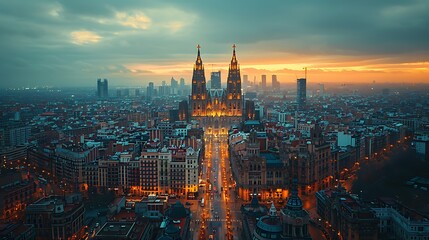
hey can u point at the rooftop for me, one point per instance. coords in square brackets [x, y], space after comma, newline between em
[272, 160]
[116, 229]
[405, 211]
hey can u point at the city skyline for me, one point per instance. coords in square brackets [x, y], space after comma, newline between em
[72, 44]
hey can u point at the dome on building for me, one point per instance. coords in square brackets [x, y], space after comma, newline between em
[294, 202]
[294, 217]
[269, 226]
[254, 209]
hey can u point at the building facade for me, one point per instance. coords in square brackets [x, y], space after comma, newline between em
[397, 221]
[259, 173]
[346, 215]
[15, 193]
[292, 223]
[102, 89]
[301, 92]
[216, 108]
[56, 217]
[215, 78]
[275, 83]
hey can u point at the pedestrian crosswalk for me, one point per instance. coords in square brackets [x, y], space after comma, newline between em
[221, 220]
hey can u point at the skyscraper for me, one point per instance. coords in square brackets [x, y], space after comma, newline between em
[264, 82]
[174, 85]
[301, 91]
[182, 86]
[216, 80]
[150, 91]
[275, 84]
[102, 89]
[245, 81]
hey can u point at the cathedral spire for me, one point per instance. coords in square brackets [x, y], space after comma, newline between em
[234, 63]
[198, 62]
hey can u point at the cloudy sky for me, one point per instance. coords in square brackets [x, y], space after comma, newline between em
[72, 43]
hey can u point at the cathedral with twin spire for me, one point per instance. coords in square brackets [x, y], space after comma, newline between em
[216, 109]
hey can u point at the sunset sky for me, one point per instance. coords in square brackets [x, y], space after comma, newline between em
[72, 43]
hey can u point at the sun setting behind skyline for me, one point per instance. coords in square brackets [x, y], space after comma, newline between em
[66, 43]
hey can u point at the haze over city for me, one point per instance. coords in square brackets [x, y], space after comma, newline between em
[71, 43]
[214, 120]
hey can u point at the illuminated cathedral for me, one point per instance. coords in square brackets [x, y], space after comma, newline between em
[216, 109]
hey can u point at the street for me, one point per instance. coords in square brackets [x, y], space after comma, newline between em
[219, 213]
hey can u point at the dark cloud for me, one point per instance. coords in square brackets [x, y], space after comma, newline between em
[37, 46]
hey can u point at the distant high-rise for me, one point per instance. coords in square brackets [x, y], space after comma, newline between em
[275, 84]
[150, 91]
[301, 91]
[164, 90]
[182, 86]
[215, 80]
[174, 86]
[264, 82]
[245, 80]
[102, 89]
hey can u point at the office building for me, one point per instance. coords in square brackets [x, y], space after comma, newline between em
[246, 81]
[215, 80]
[102, 89]
[174, 86]
[264, 82]
[301, 92]
[150, 91]
[275, 83]
[182, 90]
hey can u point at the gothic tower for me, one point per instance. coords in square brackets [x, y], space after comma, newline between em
[233, 89]
[199, 90]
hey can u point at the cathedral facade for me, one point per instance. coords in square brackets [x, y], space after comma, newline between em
[216, 109]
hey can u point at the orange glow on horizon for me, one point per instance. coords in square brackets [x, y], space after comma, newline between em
[354, 71]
